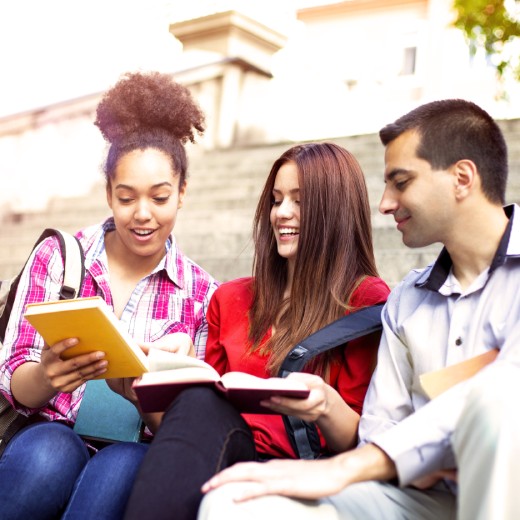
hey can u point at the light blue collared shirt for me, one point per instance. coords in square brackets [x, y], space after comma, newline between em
[429, 322]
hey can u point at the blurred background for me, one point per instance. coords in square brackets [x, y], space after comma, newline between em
[267, 74]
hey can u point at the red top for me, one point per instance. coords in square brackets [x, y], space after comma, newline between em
[226, 351]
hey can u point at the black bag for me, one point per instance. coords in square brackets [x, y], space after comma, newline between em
[73, 259]
[304, 435]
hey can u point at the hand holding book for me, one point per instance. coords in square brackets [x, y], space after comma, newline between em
[164, 374]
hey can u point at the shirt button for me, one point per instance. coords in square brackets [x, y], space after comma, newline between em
[458, 341]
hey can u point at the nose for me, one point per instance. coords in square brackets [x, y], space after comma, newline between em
[285, 209]
[142, 211]
[388, 204]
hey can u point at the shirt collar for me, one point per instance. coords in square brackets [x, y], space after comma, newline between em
[509, 246]
[173, 264]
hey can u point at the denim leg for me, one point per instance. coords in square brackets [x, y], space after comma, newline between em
[38, 470]
[103, 488]
[201, 434]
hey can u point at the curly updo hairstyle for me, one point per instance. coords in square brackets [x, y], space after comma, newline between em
[148, 110]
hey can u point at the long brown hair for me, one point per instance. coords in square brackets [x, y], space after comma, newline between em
[334, 254]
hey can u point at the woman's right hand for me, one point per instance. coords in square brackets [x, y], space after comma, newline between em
[67, 375]
[34, 384]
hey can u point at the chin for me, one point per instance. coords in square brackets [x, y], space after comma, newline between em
[414, 243]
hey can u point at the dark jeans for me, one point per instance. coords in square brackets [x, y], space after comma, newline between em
[200, 435]
[46, 472]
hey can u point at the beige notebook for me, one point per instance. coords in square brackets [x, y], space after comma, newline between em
[436, 382]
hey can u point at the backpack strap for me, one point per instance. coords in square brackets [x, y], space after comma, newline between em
[303, 435]
[12, 421]
[73, 261]
[73, 274]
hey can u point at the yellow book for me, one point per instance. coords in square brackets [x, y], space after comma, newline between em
[97, 328]
[436, 382]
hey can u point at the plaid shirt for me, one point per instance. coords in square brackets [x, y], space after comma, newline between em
[173, 298]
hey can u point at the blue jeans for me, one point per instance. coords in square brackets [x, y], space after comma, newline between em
[200, 434]
[46, 472]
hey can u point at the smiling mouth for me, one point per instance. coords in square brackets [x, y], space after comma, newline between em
[143, 232]
[401, 222]
[288, 232]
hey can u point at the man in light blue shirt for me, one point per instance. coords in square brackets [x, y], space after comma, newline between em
[455, 456]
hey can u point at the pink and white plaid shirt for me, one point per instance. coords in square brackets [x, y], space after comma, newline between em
[173, 298]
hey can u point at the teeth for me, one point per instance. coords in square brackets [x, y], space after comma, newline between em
[143, 232]
[288, 231]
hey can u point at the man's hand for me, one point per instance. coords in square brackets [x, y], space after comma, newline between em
[430, 480]
[306, 479]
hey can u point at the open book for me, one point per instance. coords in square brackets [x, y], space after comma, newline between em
[96, 326]
[156, 390]
[436, 382]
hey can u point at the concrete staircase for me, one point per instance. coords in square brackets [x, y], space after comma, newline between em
[214, 226]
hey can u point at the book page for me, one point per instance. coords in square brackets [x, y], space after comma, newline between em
[65, 305]
[164, 360]
[243, 380]
[180, 375]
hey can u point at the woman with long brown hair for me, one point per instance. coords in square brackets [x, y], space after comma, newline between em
[313, 263]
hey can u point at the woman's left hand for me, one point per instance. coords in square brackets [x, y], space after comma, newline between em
[324, 406]
[123, 387]
[317, 404]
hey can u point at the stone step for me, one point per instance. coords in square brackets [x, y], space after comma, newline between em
[214, 227]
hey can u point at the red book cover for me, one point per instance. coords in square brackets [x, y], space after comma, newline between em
[156, 390]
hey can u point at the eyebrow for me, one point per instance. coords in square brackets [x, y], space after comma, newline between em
[127, 187]
[295, 190]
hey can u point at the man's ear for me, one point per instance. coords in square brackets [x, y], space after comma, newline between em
[466, 178]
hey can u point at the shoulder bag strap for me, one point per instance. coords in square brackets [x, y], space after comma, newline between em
[303, 435]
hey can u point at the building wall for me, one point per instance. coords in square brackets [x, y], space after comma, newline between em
[215, 224]
[346, 69]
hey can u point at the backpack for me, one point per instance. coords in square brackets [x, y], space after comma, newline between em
[74, 272]
[303, 435]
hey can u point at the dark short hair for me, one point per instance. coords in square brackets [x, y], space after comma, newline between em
[454, 129]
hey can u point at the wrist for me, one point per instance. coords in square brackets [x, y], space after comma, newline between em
[367, 463]
[30, 386]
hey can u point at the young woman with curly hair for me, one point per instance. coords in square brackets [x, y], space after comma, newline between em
[313, 263]
[132, 262]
